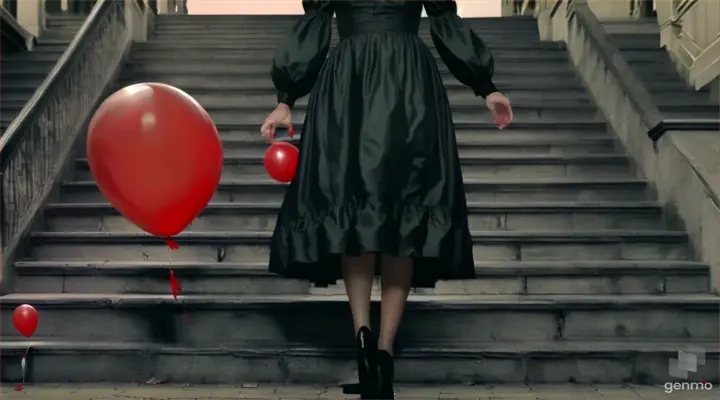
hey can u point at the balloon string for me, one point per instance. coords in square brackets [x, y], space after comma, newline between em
[175, 289]
[23, 367]
[171, 243]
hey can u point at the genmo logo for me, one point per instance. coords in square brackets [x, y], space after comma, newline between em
[687, 386]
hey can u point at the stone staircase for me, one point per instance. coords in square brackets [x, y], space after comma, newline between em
[582, 277]
[22, 73]
[672, 94]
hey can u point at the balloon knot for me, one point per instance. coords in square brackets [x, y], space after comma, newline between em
[171, 243]
[291, 131]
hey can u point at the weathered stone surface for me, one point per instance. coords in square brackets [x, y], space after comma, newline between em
[582, 275]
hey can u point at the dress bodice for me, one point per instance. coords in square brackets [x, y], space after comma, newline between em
[354, 17]
[301, 55]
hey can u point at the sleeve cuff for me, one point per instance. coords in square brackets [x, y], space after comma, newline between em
[286, 98]
[484, 89]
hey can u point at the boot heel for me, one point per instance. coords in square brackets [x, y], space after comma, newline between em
[386, 375]
[367, 350]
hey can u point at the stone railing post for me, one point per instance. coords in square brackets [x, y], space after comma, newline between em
[31, 15]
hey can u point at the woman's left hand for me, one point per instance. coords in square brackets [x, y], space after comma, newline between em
[501, 110]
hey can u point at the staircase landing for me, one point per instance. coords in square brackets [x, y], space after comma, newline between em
[254, 391]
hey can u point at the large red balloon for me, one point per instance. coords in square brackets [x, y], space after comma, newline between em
[281, 160]
[25, 319]
[156, 156]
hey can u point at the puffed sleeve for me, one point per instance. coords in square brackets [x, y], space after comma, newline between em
[464, 53]
[300, 55]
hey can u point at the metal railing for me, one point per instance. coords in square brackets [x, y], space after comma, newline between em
[36, 145]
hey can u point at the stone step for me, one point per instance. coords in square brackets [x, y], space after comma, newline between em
[276, 27]
[460, 96]
[238, 246]
[472, 139]
[64, 25]
[592, 362]
[470, 144]
[625, 41]
[258, 37]
[512, 277]
[509, 69]
[260, 40]
[477, 190]
[268, 45]
[632, 27]
[263, 82]
[268, 23]
[503, 68]
[243, 82]
[500, 167]
[203, 53]
[66, 17]
[469, 114]
[292, 320]
[16, 97]
[457, 94]
[520, 34]
[489, 34]
[31, 57]
[290, 19]
[223, 217]
[254, 69]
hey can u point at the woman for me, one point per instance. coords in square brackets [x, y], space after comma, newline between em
[378, 180]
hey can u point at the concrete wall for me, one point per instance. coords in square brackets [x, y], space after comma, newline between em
[611, 9]
[683, 166]
[692, 36]
[31, 15]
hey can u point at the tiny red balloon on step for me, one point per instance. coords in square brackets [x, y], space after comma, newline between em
[281, 160]
[156, 156]
[25, 319]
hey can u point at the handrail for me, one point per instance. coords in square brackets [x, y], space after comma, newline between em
[682, 9]
[11, 136]
[40, 141]
[637, 94]
[22, 33]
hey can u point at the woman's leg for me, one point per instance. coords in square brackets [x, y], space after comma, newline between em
[397, 276]
[396, 281]
[358, 273]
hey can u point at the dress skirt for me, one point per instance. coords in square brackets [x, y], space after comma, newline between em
[379, 170]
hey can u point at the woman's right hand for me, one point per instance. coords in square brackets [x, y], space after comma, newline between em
[280, 116]
[501, 109]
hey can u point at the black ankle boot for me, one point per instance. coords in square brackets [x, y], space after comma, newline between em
[367, 352]
[386, 374]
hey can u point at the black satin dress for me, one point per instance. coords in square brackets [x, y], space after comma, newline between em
[379, 170]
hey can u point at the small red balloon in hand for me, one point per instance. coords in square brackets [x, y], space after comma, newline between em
[25, 319]
[281, 160]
